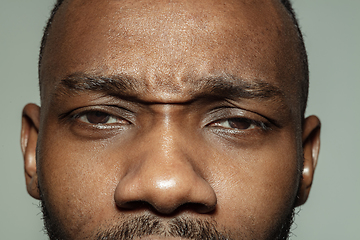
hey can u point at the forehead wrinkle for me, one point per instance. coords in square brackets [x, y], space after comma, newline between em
[174, 63]
[177, 31]
[165, 76]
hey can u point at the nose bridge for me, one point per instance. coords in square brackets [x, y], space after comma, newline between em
[165, 175]
[164, 143]
[165, 134]
[163, 157]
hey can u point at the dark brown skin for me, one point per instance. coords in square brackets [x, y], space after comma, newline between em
[168, 142]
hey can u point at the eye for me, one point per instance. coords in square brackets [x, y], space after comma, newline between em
[100, 118]
[236, 123]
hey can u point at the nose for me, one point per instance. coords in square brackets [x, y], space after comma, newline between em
[165, 174]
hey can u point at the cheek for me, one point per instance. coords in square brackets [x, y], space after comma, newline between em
[78, 180]
[257, 187]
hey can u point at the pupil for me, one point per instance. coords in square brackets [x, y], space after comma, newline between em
[97, 117]
[239, 123]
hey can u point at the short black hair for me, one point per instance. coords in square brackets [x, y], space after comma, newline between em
[304, 85]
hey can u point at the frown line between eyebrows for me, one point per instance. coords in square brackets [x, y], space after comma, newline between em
[214, 87]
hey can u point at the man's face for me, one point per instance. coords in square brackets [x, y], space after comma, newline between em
[170, 113]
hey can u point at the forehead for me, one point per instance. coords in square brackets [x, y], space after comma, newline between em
[167, 44]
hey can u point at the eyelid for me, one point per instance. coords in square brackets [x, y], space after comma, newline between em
[226, 113]
[114, 111]
[84, 118]
[253, 124]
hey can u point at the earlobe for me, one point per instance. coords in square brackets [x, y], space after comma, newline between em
[311, 147]
[29, 135]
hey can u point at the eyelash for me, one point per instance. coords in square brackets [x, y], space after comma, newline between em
[252, 124]
[237, 120]
[105, 120]
[81, 116]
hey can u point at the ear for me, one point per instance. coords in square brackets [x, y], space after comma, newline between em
[311, 147]
[29, 135]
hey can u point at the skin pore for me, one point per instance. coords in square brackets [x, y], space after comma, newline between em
[170, 120]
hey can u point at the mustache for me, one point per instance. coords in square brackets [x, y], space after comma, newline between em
[147, 225]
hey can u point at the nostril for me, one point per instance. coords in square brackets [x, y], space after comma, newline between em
[143, 205]
[196, 207]
[132, 205]
[166, 196]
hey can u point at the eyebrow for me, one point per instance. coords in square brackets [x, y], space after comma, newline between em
[219, 87]
[79, 82]
[231, 87]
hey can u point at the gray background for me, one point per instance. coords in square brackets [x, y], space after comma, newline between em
[332, 36]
